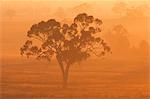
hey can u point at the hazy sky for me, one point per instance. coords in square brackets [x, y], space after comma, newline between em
[18, 15]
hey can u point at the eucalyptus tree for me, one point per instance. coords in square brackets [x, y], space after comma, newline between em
[68, 43]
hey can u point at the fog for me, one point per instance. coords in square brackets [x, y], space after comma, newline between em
[121, 74]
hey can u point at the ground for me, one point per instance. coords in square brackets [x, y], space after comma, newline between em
[93, 79]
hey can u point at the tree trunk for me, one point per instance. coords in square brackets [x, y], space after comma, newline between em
[65, 76]
[65, 72]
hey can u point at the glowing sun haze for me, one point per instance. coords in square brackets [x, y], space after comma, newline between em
[17, 16]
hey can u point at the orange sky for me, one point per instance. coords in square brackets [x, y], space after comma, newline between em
[18, 15]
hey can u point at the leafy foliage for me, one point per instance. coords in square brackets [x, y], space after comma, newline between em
[70, 43]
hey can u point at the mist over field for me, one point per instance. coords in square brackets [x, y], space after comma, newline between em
[121, 74]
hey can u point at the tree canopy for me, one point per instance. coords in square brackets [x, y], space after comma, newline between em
[69, 43]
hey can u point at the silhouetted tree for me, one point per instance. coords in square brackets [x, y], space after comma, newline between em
[68, 43]
[116, 37]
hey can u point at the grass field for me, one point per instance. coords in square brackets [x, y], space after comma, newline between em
[93, 79]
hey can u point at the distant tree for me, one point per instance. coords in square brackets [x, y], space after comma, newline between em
[10, 13]
[144, 46]
[83, 7]
[119, 8]
[60, 13]
[144, 49]
[116, 37]
[145, 8]
[122, 9]
[122, 34]
[68, 43]
[138, 11]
